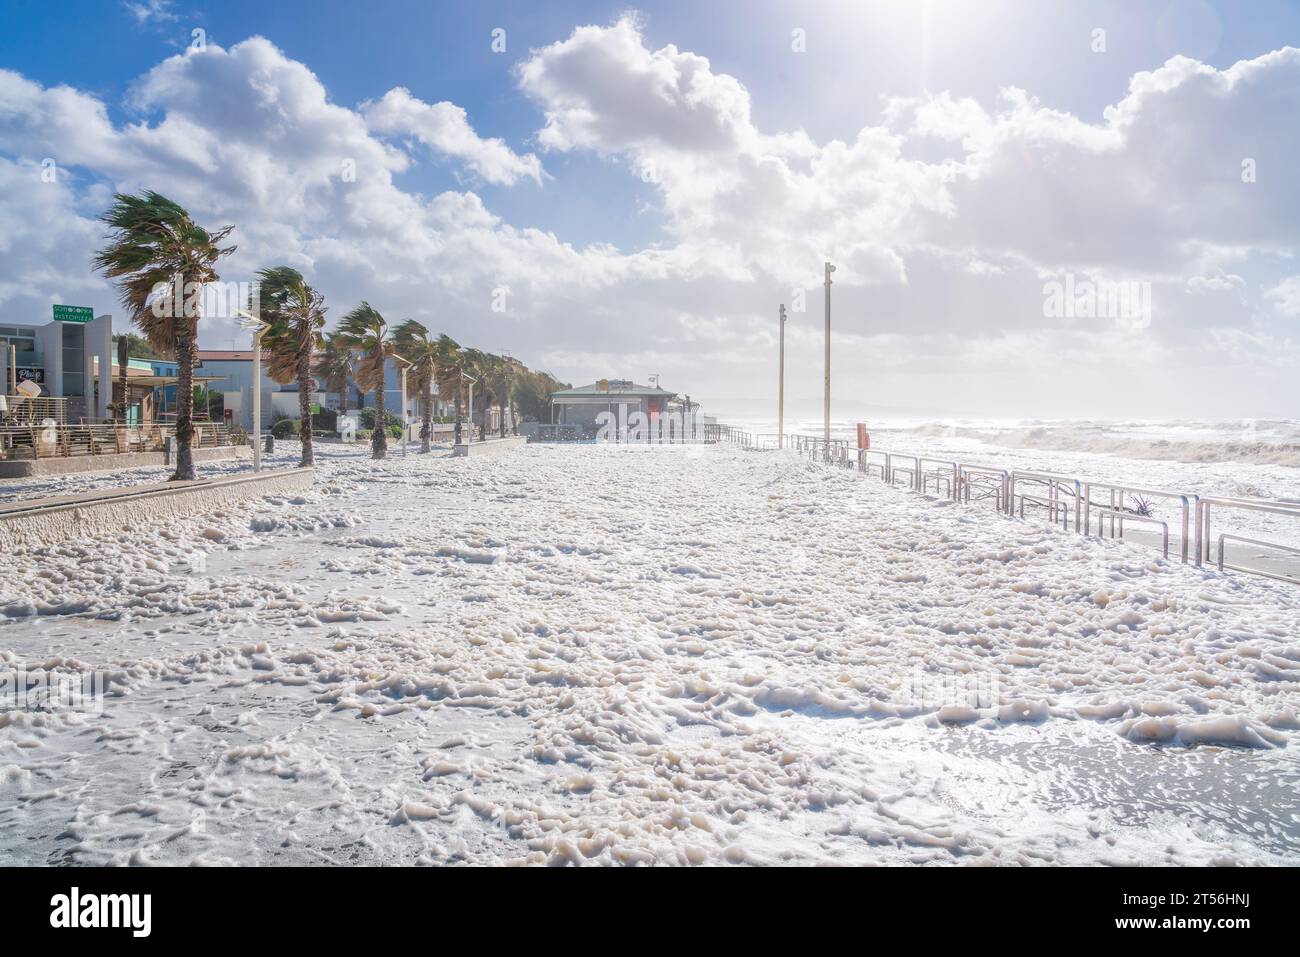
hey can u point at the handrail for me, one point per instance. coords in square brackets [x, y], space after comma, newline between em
[1203, 506]
[1131, 516]
[1254, 571]
[1055, 483]
[1062, 490]
[938, 476]
[1117, 511]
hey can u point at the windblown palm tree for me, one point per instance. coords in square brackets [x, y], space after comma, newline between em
[450, 362]
[334, 366]
[412, 342]
[365, 329]
[478, 364]
[295, 314]
[160, 259]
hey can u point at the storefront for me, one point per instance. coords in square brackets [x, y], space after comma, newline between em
[60, 357]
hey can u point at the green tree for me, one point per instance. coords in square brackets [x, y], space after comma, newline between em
[295, 315]
[412, 341]
[334, 366]
[160, 259]
[450, 362]
[478, 367]
[365, 329]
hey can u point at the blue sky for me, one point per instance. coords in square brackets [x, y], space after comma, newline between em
[890, 142]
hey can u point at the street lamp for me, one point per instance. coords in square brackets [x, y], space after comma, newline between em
[471, 380]
[250, 322]
[780, 387]
[826, 396]
[403, 365]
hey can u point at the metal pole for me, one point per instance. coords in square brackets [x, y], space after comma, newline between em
[404, 416]
[780, 401]
[257, 401]
[826, 392]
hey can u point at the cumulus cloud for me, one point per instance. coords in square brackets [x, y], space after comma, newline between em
[444, 128]
[941, 259]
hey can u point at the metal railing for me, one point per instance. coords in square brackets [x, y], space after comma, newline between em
[1067, 501]
[1114, 513]
[1071, 503]
[977, 482]
[1203, 512]
[717, 432]
[1062, 491]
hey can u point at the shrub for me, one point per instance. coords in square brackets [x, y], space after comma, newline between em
[325, 420]
[363, 435]
[367, 418]
[286, 428]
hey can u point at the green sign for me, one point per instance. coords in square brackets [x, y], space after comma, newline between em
[315, 408]
[73, 313]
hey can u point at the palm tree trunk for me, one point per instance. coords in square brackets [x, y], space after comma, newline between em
[184, 401]
[123, 359]
[379, 438]
[426, 430]
[502, 405]
[304, 414]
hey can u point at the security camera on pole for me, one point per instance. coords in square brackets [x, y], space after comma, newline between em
[826, 400]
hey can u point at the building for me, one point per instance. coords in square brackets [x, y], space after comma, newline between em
[579, 408]
[232, 375]
[68, 360]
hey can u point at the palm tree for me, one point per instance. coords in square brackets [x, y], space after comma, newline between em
[412, 342]
[334, 367]
[478, 366]
[160, 259]
[503, 385]
[365, 329]
[450, 373]
[295, 315]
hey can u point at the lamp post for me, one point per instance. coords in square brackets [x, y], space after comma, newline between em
[471, 380]
[403, 365]
[780, 387]
[249, 321]
[826, 391]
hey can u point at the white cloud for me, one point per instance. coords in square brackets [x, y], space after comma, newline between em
[444, 127]
[941, 261]
[145, 11]
[1285, 296]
